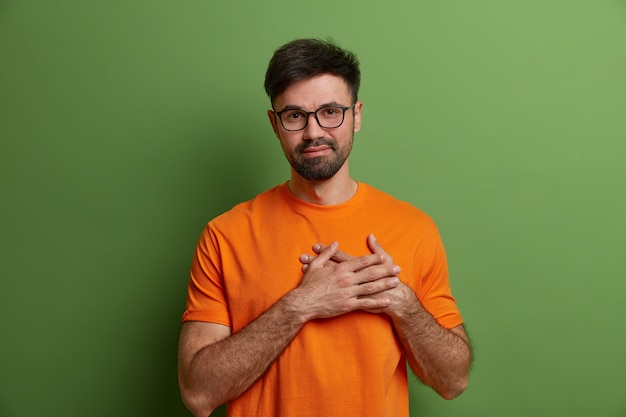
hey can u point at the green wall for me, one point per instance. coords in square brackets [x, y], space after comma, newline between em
[126, 126]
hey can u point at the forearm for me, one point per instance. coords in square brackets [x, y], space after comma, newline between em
[216, 366]
[222, 371]
[440, 357]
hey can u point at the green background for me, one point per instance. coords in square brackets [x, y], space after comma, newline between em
[126, 126]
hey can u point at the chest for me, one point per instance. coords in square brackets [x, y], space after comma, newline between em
[261, 262]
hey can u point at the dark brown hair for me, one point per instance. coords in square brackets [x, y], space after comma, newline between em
[302, 59]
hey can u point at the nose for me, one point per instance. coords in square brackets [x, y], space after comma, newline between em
[313, 130]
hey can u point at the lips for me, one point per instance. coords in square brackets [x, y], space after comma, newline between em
[316, 148]
[314, 151]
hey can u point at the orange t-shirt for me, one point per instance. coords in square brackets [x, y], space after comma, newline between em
[350, 365]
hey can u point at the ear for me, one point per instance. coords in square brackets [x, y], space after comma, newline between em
[358, 111]
[273, 120]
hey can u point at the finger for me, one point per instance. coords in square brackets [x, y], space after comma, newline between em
[325, 255]
[339, 256]
[374, 305]
[375, 287]
[305, 258]
[364, 263]
[376, 247]
[377, 272]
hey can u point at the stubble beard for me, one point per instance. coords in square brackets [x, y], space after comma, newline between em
[319, 168]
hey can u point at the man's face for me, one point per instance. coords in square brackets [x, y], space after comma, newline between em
[317, 153]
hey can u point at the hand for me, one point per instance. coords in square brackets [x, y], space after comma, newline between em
[338, 257]
[399, 296]
[335, 283]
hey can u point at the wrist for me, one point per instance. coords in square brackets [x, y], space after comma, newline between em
[409, 308]
[293, 308]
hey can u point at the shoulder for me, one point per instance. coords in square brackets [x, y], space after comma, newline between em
[258, 206]
[383, 203]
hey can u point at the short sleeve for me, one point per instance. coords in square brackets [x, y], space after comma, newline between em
[434, 291]
[206, 299]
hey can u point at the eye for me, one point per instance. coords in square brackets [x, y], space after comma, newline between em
[330, 111]
[293, 115]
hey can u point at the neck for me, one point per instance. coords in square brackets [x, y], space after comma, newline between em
[336, 190]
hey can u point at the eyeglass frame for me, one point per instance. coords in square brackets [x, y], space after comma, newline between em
[314, 113]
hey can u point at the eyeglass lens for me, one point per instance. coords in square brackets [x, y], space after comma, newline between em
[327, 117]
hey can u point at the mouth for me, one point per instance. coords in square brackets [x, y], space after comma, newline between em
[316, 148]
[314, 151]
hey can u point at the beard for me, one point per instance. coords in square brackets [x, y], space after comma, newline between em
[319, 168]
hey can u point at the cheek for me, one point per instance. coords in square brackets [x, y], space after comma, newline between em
[288, 142]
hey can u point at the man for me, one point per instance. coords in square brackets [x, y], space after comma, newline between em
[309, 299]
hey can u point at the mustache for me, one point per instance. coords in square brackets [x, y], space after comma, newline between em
[318, 142]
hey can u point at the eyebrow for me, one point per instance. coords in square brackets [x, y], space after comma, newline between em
[294, 107]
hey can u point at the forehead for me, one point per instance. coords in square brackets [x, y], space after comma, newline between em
[314, 92]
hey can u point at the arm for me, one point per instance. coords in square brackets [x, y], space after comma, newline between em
[216, 366]
[440, 357]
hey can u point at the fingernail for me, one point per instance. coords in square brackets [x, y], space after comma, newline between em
[316, 248]
[396, 269]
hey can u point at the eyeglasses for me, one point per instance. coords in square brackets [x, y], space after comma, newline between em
[328, 117]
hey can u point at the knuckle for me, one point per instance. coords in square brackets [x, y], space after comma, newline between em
[378, 259]
[345, 296]
[374, 273]
[368, 274]
[344, 281]
[370, 288]
[363, 260]
[345, 306]
[371, 303]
